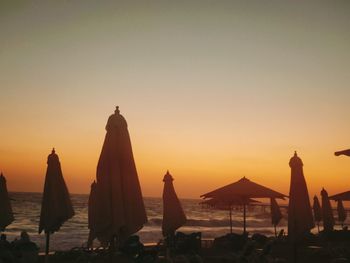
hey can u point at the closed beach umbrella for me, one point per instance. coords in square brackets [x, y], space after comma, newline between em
[276, 214]
[344, 152]
[92, 213]
[173, 214]
[6, 214]
[56, 206]
[120, 204]
[317, 212]
[341, 212]
[327, 213]
[243, 189]
[300, 220]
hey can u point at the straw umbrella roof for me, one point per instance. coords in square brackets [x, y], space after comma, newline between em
[244, 188]
[345, 196]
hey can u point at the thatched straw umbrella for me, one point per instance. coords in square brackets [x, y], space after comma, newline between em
[243, 189]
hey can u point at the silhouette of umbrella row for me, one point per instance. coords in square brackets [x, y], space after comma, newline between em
[116, 208]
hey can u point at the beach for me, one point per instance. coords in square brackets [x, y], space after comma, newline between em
[74, 233]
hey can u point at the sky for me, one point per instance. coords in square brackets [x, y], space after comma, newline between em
[212, 90]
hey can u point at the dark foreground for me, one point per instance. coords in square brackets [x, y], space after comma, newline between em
[332, 247]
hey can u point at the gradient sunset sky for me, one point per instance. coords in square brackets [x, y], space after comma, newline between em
[211, 90]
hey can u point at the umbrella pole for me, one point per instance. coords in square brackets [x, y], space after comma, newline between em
[230, 219]
[244, 218]
[47, 247]
[275, 230]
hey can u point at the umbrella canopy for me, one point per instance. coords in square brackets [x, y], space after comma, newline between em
[300, 220]
[6, 214]
[120, 204]
[327, 213]
[56, 206]
[345, 196]
[243, 189]
[341, 212]
[173, 214]
[344, 152]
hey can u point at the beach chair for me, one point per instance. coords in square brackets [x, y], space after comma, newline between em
[187, 243]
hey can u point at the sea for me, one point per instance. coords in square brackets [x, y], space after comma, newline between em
[210, 222]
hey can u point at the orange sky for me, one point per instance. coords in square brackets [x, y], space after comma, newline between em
[212, 93]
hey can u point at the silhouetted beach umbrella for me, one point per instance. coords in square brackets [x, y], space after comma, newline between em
[341, 212]
[227, 204]
[345, 196]
[317, 212]
[300, 220]
[327, 213]
[173, 214]
[93, 215]
[56, 206]
[344, 152]
[120, 204]
[6, 214]
[244, 189]
[276, 214]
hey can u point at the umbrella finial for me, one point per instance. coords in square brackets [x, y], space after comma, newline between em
[117, 111]
[295, 153]
[53, 150]
[168, 177]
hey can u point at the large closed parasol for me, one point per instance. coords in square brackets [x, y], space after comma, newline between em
[56, 206]
[300, 220]
[121, 211]
[327, 212]
[243, 189]
[173, 214]
[317, 212]
[6, 214]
